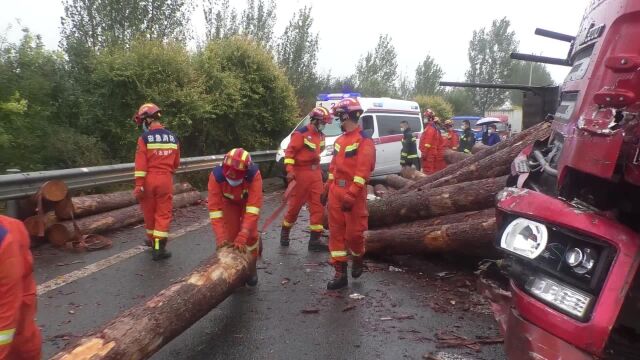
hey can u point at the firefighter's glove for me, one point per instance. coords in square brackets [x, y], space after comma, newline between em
[240, 243]
[138, 192]
[348, 201]
[290, 176]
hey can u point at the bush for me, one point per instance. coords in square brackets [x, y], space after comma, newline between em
[440, 106]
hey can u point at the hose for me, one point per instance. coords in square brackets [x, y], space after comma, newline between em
[538, 155]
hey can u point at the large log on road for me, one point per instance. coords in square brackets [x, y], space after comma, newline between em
[380, 190]
[452, 157]
[99, 203]
[497, 164]
[477, 147]
[411, 173]
[446, 200]
[446, 219]
[60, 233]
[396, 181]
[470, 238]
[452, 169]
[142, 330]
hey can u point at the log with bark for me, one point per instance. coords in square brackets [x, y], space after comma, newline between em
[446, 200]
[447, 219]
[473, 237]
[452, 169]
[141, 331]
[452, 157]
[99, 203]
[370, 190]
[411, 173]
[53, 190]
[36, 225]
[494, 165]
[380, 190]
[396, 181]
[62, 232]
[477, 147]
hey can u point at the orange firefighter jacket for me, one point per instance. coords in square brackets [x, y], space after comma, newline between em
[354, 158]
[304, 148]
[158, 152]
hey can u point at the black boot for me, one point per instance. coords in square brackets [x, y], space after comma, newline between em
[159, 251]
[253, 273]
[357, 267]
[284, 236]
[315, 244]
[340, 279]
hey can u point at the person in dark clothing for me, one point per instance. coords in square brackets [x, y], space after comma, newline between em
[492, 137]
[409, 152]
[467, 139]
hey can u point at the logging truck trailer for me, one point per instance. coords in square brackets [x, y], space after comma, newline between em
[568, 222]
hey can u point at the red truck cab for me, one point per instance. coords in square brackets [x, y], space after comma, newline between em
[569, 221]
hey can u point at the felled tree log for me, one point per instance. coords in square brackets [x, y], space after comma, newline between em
[54, 190]
[142, 330]
[411, 173]
[495, 165]
[99, 203]
[452, 157]
[370, 190]
[380, 190]
[447, 219]
[477, 147]
[452, 169]
[62, 232]
[396, 181]
[446, 200]
[470, 238]
[36, 225]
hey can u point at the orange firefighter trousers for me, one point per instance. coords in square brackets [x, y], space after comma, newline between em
[157, 204]
[19, 335]
[233, 217]
[347, 228]
[429, 161]
[308, 189]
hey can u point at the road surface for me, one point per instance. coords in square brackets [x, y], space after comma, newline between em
[391, 312]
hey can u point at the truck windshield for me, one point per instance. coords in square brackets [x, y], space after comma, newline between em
[332, 129]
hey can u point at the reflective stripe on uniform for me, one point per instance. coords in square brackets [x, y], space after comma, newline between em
[467, 151]
[317, 227]
[162, 146]
[150, 232]
[403, 153]
[139, 173]
[340, 253]
[288, 161]
[330, 176]
[285, 223]
[253, 210]
[227, 195]
[322, 143]
[159, 233]
[412, 156]
[215, 214]
[427, 145]
[6, 336]
[156, 244]
[354, 253]
[336, 147]
[351, 147]
[359, 180]
[309, 143]
[253, 247]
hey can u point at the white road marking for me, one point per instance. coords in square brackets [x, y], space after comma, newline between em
[105, 263]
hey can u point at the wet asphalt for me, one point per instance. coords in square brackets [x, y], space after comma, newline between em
[391, 312]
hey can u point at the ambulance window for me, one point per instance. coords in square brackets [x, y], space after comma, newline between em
[390, 124]
[367, 124]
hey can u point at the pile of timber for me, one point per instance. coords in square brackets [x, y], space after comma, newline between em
[59, 218]
[450, 211]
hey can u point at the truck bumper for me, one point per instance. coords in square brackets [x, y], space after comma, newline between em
[522, 339]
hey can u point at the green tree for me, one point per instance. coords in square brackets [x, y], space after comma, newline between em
[428, 76]
[249, 101]
[257, 21]
[461, 101]
[377, 71]
[527, 73]
[103, 23]
[297, 52]
[490, 62]
[405, 88]
[439, 105]
[221, 20]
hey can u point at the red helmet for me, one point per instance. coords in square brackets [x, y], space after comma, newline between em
[448, 122]
[145, 111]
[429, 114]
[235, 163]
[348, 106]
[322, 114]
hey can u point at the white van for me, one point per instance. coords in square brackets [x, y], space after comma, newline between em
[381, 118]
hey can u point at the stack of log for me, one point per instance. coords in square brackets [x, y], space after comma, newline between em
[450, 210]
[58, 215]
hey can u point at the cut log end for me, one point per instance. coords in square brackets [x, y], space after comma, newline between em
[58, 235]
[54, 190]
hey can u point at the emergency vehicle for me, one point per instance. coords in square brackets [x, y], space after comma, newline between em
[381, 119]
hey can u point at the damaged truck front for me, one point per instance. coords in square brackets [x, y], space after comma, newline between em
[569, 222]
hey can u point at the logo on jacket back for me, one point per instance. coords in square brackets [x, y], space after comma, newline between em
[161, 141]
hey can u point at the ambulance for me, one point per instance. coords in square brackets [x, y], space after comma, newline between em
[381, 119]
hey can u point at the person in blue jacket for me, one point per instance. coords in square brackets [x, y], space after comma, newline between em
[492, 136]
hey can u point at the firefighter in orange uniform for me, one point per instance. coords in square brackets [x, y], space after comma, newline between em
[19, 335]
[450, 140]
[353, 161]
[429, 142]
[157, 157]
[235, 199]
[302, 159]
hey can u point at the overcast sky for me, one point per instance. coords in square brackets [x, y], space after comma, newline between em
[348, 29]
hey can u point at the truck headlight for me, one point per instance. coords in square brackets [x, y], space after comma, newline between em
[581, 261]
[525, 237]
[563, 297]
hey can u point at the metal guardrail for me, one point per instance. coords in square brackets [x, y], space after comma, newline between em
[16, 186]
